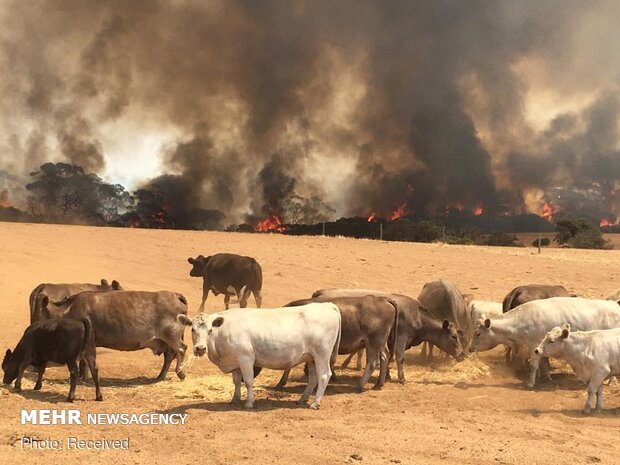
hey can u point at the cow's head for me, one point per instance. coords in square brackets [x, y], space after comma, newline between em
[202, 326]
[198, 266]
[9, 366]
[450, 340]
[483, 338]
[553, 341]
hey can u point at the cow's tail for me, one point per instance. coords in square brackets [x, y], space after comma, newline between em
[336, 348]
[394, 331]
[34, 301]
[89, 335]
[507, 302]
[189, 357]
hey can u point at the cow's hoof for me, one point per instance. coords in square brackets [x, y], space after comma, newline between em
[530, 385]
[402, 381]
[359, 388]
[315, 406]
[249, 406]
[99, 398]
[586, 411]
[37, 388]
[181, 375]
[70, 400]
[302, 402]
[377, 387]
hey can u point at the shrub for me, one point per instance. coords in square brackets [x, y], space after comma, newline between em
[406, 230]
[501, 239]
[581, 234]
[544, 242]
[590, 239]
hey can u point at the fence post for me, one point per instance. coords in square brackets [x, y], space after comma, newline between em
[539, 243]
[323, 227]
[380, 231]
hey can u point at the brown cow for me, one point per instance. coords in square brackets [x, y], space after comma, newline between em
[58, 292]
[228, 274]
[366, 322]
[133, 320]
[415, 325]
[528, 292]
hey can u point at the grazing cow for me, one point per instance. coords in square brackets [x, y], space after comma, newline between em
[444, 301]
[59, 340]
[238, 340]
[594, 355]
[528, 292]
[228, 274]
[615, 296]
[415, 326]
[58, 292]
[523, 328]
[481, 310]
[133, 320]
[367, 322]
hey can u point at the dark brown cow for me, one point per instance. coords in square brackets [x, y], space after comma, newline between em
[415, 325]
[228, 274]
[366, 322]
[59, 340]
[133, 320]
[526, 293]
[58, 292]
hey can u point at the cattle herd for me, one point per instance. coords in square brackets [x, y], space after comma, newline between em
[534, 322]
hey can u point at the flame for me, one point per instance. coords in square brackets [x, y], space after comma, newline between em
[478, 210]
[604, 222]
[4, 199]
[271, 223]
[372, 217]
[548, 211]
[400, 211]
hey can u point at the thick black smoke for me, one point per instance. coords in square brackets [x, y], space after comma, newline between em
[367, 105]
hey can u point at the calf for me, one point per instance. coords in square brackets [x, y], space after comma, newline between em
[594, 355]
[523, 328]
[59, 340]
[228, 274]
[238, 340]
[481, 310]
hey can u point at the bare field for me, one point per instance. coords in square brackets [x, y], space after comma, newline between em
[475, 412]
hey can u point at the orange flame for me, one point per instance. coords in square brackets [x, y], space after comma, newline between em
[604, 222]
[400, 211]
[271, 223]
[478, 210]
[548, 211]
[4, 199]
[372, 217]
[459, 206]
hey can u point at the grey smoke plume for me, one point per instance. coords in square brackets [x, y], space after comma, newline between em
[366, 104]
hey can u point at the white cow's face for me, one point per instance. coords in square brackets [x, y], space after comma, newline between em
[483, 338]
[553, 342]
[202, 325]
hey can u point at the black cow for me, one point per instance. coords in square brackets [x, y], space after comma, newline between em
[228, 274]
[59, 340]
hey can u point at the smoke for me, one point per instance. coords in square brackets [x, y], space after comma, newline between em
[365, 105]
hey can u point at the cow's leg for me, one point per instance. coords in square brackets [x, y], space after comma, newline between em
[20, 374]
[180, 354]
[41, 372]
[74, 372]
[399, 351]
[247, 371]
[206, 287]
[431, 346]
[323, 374]
[372, 356]
[91, 359]
[597, 381]
[347, 360]
[237, 379]
[534, 363]
[283, 379]
[227, 301]
[312, 382]
[545, 369]
[84, 373]
[358, 364]
[383, 365]
[169, 356]
[258, 298]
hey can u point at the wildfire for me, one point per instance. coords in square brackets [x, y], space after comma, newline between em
[372, 217]
[478, 210]
[400, 211]
[4, 199]
[604, 222]
[459, 206]
[548, 211]
[272, 223]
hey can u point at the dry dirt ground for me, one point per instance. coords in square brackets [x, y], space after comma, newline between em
[475, 412]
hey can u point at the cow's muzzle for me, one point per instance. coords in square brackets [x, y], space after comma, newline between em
[537, 351]
[200, 350]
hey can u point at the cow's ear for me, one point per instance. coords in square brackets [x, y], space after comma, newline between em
[487, 323]
[191, 260]
[8, 354]
[104, 282]
[45, 301]
[219, 321]
[184, 319]
[565, 330]
[116, 285]
[445, 324]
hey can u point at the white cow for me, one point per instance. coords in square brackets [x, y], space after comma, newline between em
[277, 338]
[481, 310]
[615, 296]
[523, 328]
[594, 355]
